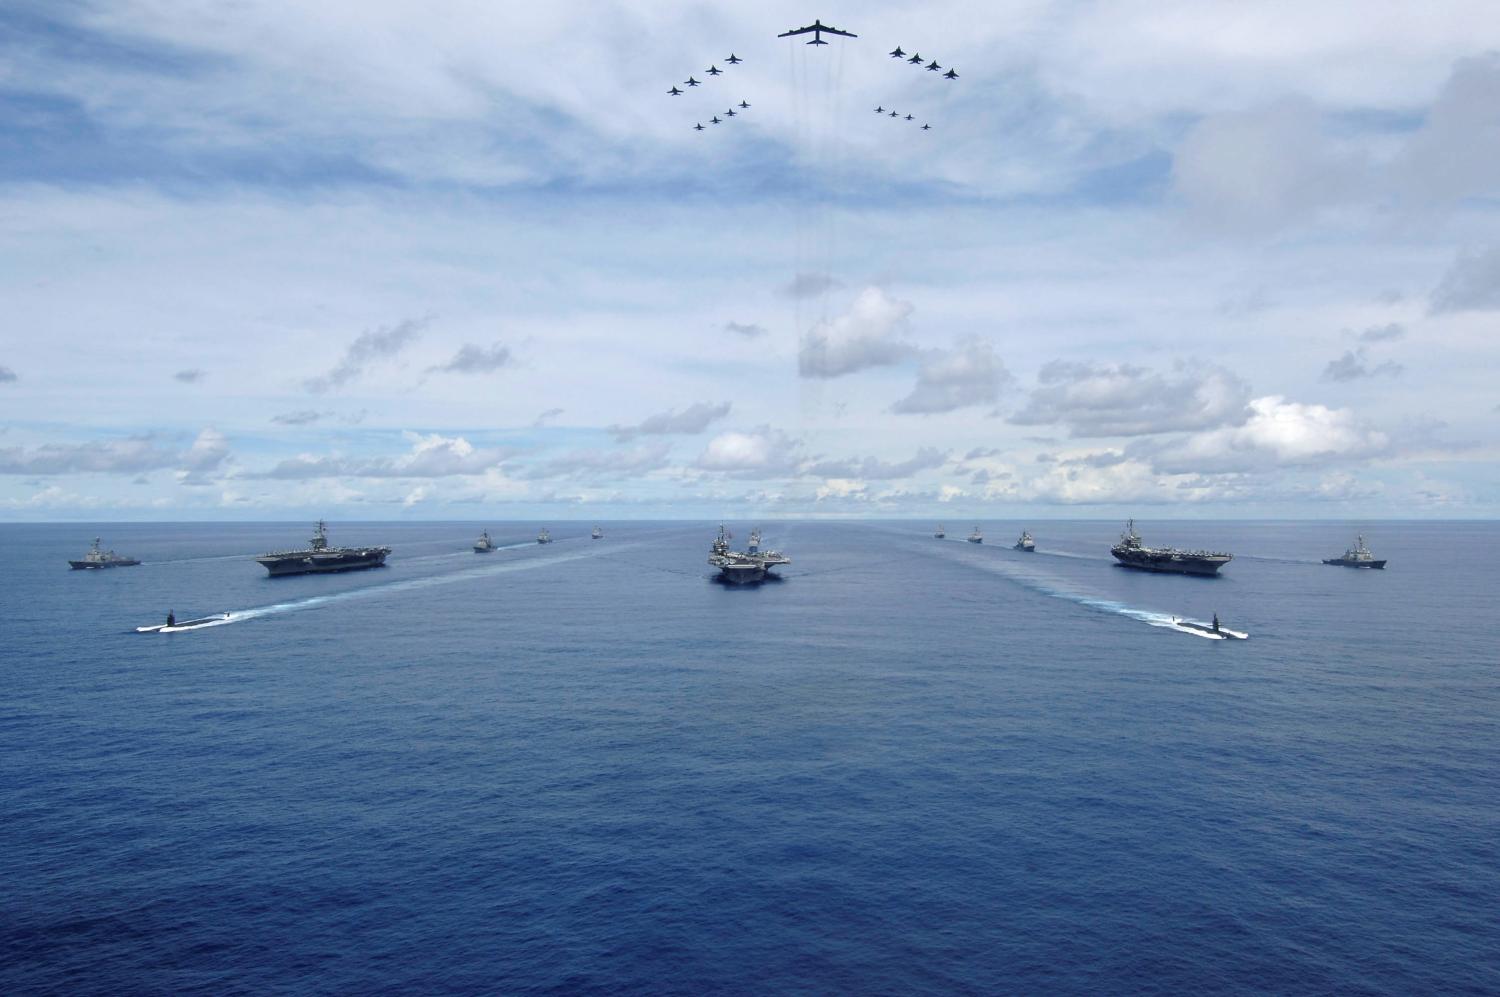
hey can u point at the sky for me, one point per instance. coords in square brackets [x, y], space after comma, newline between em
[462, 260]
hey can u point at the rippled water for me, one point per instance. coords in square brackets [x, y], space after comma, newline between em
[911, 766]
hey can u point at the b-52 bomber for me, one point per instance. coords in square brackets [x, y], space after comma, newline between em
[818, 29]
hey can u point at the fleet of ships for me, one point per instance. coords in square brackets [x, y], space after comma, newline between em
[750, 566]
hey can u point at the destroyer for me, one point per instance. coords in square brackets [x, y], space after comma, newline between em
[319, 557]
[1026, 543]
[598, 534]
[1358, 556]
[544, 537]
[941, 533]
[1134, 554]
[484, 544]
[743, 567]
[97, 558]
[976, 537]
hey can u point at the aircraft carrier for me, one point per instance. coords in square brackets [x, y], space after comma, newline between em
[1133, 554]
[743, 567]
[319, 557]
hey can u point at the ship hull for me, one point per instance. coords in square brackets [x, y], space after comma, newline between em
[322, 564]
[742, 574]
[1168, 564]
[93, 565]
[1353, 564]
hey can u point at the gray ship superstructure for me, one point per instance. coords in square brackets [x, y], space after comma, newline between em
[97, 558]
[320, 558]
[484, 544]
[747, 566]
[1133, 554]
[1026, 543]
[1358, 556]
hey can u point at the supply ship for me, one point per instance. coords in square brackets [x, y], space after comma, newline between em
[97, 558]
[319, 557]
[1134, 554]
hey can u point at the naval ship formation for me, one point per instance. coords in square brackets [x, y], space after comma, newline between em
[1134, 554]
[747, 566]
[319, 557]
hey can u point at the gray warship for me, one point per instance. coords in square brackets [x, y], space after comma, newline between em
[97, 558]
[598, 533]
[319, 557]
[484, 544]
[1133, 554]
[1026, 543]
[743, 567]
[1358, 556]
[544, 537]
[976, 537]
[941, 533]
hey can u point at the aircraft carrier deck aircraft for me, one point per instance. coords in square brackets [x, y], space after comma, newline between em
[319, 557]
[1134, 554]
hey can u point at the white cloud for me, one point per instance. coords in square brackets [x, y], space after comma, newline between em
[431, 456]
[969, 375]
[1124, 400]
[760, 452]
[1278, 433]
[874, 469]
[693, 419]
[868, 335]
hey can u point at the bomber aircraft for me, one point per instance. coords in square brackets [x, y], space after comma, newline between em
[818, 28]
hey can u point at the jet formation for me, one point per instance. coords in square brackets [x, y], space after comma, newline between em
[817, 29]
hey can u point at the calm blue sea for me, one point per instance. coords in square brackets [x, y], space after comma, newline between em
[912, 766]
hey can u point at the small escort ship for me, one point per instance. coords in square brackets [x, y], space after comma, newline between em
[319, 557]
[484, 544]
[97, 558]
[1026, 543]
[747, 567]
[1133, 554]
[941, 533]
[1358, 556]
[544, 537]
[598, 534]
[976, 537]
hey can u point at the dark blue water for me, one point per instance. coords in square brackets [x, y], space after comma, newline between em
[914, 766]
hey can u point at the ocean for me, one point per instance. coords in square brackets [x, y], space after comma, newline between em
[911, 766]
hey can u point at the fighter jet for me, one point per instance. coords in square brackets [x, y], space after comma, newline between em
[698, 126]
[731, 112]
[690, 82]
[817, 28]
[950, 75]
[713, 70]
[879, 110]
[894, 114]
[934, 67]
[674, 91]
[915, 60]
[743, 104]
[733, 59]
[896, 53]
[927, 128]
[713, 121]
[909, 117]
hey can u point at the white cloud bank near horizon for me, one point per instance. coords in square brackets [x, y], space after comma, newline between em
[270, 260]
